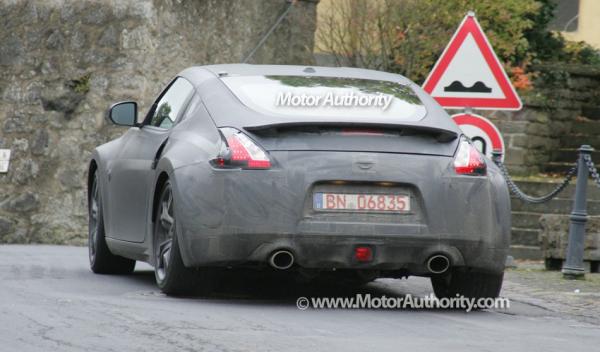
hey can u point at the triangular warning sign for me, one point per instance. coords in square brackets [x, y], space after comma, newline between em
[469, 74]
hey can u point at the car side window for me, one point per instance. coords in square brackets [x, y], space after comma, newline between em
[170, 104]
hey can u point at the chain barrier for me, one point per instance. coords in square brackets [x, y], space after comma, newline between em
[593, 171]
[584, 168]
[514, 189]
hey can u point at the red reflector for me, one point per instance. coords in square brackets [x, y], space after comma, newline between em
[363, 254]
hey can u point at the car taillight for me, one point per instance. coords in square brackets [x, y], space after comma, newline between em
[468, 160]
[242, 152]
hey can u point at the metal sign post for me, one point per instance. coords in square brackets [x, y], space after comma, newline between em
[573, 267]
[468, 75]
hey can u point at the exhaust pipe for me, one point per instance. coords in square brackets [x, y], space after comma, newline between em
[282, 260]
[438, 264]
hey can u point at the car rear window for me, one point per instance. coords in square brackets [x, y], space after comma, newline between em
[327, 97]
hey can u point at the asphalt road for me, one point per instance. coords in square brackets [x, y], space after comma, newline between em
[51, 301]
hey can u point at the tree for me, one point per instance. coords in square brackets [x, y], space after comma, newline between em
[408, 36]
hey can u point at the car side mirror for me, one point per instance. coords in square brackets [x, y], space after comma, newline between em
[123, 113]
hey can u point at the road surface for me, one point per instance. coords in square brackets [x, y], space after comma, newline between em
[50, 301]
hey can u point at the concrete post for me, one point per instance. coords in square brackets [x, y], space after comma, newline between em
[573, 267]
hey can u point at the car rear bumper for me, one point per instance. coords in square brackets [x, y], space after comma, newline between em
[316, 251]
[237, 217]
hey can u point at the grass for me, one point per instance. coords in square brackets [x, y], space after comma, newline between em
[81, 85]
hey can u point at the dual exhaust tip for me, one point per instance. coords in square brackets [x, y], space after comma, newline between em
[438, 264]
[281, 259]
[284, 259]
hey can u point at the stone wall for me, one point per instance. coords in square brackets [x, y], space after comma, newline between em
[560, 113]
[63, 62]
[554, 241]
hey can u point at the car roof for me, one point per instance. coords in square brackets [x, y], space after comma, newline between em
[295, 70]
[197, 74]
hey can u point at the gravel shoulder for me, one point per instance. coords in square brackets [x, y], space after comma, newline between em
[530, 283]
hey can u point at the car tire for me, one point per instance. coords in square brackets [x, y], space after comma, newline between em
[468, 284]
[102, 261]
[172, 276]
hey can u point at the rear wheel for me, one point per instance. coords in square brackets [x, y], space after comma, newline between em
[172, 276]
[102, 261]
[468, 284]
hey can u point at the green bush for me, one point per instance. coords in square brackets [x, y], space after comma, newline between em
[408, 36]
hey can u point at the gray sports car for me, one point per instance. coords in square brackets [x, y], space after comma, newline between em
[320, 172]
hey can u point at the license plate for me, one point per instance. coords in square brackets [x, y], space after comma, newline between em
[362, 202]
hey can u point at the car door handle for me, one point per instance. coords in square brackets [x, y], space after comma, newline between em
[365, 165]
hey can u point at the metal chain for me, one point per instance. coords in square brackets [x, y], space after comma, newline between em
[593, 172]
[530, 199]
